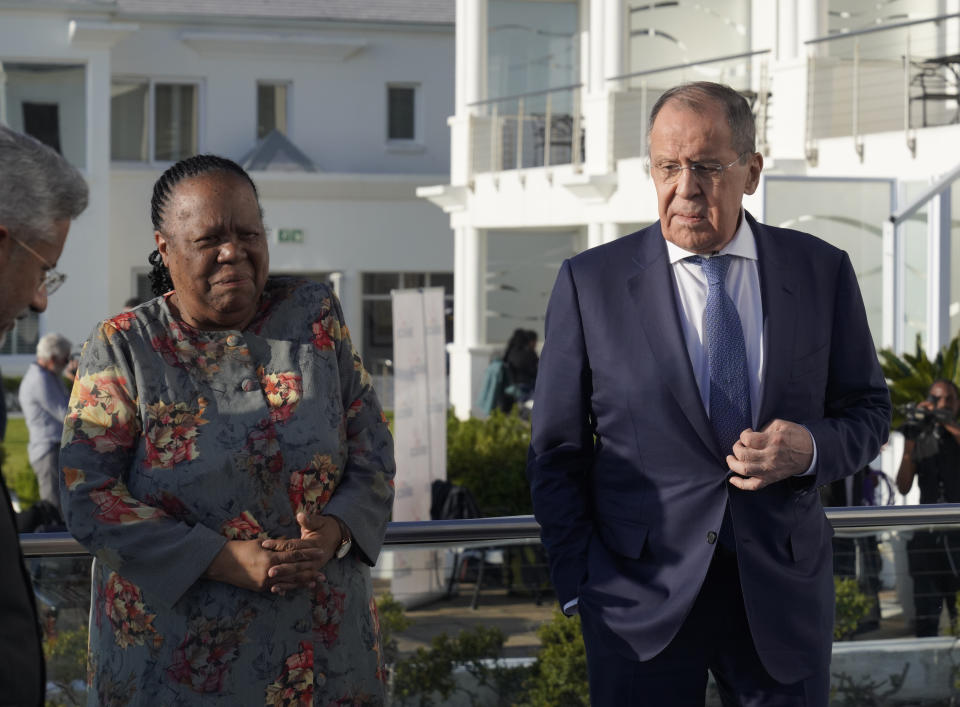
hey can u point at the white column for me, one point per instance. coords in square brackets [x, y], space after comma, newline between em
[595, 56]
[468, 354]
[594, 234]
[613, 38]
[938, 272]
[472, 15]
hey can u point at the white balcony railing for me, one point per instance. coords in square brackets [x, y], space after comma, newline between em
[638, 91]
[900, 77]
[536, 129]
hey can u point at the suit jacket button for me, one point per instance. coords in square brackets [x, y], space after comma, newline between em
[711, 537]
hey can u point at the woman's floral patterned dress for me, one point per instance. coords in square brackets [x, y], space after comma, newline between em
[178, 440]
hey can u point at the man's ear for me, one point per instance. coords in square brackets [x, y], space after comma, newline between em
[755, 166]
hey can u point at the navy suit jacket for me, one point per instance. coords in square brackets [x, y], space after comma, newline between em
[628, 482]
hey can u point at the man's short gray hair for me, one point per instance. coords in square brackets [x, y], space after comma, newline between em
[38, 187]
[699, 96]
[53, 346]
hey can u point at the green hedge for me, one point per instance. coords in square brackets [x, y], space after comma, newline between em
[489, 457]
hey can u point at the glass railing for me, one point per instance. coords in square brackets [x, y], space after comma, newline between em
[535, 129]
[898, 77]
[488, 578]
[638, 91]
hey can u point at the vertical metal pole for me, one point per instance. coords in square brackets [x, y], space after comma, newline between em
[857, 142]
[495, 156]
[938, 271]
[889, 338]
[576, 130]
[547, 133]
[519, 164]
[911, 140]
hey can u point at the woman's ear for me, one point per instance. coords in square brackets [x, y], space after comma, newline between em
[162, 245]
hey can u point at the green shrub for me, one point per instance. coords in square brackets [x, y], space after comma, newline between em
[17, 471]
[559, 677]
[852, 607]
[393, 620]
[66, 664]
[428, 673]
[489, 457]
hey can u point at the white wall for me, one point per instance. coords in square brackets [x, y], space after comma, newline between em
[337, 112]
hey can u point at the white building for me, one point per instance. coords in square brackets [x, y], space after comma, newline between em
[357, 94]
[857, 114]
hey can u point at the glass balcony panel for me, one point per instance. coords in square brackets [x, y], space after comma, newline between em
[847, 213]
[913, 238]
[669, 33]
[521, 268]
[531, 46]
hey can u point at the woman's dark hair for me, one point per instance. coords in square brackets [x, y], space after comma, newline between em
[160, 281]
[518, 341]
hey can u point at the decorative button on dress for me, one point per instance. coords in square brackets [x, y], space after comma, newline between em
[177, 440]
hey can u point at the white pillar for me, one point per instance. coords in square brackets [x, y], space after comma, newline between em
[472, 33]
[594, 234]
[595, 56]
[938, 272]
[468, 352]
[613, 38]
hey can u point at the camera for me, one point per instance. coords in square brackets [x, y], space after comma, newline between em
[920, 421]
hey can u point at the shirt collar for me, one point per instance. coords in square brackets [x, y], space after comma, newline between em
[743, 245]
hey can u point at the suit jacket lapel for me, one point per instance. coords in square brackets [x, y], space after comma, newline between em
[654, 293]
[777, 287]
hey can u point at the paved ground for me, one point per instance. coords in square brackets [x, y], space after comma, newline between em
[518, 616]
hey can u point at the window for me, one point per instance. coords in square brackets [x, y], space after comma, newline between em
[153, 121]
[401, 112]
[42, 121]
[271, 108]
[49, 102]
[378, 310]
[22, 339]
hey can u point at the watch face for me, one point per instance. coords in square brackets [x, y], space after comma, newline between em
[344, 548]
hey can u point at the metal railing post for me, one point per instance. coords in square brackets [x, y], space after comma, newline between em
[496, 159]
[575, 137]
[857, 141]
[519, 162]
[911, 139]
[547, 131]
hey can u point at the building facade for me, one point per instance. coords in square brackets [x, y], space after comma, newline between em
[337, 109]
[857, 117]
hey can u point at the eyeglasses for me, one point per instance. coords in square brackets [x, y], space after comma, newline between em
[51, 278]
[705, 172]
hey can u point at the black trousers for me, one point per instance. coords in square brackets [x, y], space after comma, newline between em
[714, 637]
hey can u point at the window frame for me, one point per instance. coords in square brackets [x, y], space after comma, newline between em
[152, 82]
[416, 143]
[287, 84]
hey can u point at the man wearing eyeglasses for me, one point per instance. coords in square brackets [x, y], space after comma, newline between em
[40, 194]
[699, 380]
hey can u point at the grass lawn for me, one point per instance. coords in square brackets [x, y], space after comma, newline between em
[17, 471]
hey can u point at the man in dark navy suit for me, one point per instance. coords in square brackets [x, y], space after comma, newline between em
[40, 193]
[699, 380]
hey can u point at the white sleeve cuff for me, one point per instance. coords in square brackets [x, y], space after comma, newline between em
[570, 608]
[812, 469]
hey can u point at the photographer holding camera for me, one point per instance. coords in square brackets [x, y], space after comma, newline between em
[932, 454]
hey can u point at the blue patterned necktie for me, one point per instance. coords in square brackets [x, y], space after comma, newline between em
[727, 355]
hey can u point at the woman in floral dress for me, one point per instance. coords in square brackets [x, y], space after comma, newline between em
[226, 461]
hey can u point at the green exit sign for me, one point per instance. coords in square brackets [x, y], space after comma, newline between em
[290, 235]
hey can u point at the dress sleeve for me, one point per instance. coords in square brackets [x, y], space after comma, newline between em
[364, 497]
[101, 433]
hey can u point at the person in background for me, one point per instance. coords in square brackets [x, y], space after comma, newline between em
[931, 455]
[40, 194]
[522, 360]
[43, 399]
[227, 462]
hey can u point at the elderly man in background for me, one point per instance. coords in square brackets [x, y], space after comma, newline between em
[43, 399]
[40, 193]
